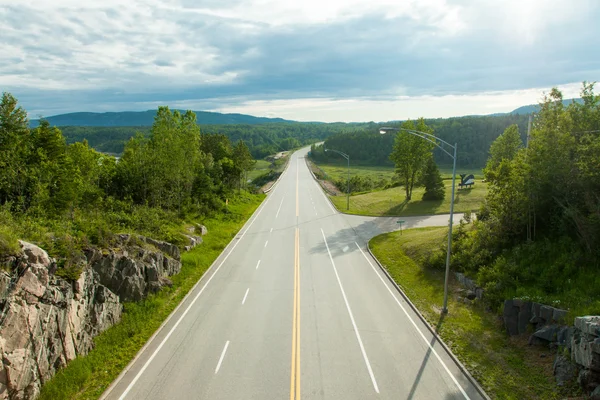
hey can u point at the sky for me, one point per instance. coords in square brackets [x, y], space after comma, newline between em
[306, 60]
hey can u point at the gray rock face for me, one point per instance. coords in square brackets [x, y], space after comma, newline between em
[168, 248]
[585, 342]
[564, 370]
[588, 379]
[47, 321]
[519, 314]
[133, 271]
[548, 333]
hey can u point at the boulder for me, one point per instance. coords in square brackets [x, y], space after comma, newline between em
[510, 316]
[524, 316]
[564, 370]
[201, 229]
[471, 295]
[193, 241]
[588, 379]
[548, 333]
[546, 313]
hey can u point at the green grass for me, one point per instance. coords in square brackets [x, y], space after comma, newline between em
[392, 202]
[337, 171]
[261, 167]
[87, 377]
[507, 368]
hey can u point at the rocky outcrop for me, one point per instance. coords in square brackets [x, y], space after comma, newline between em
[132, 271]
[474, 291]
[46, 321]
[585, 343]
[195, 240]
[520, 316]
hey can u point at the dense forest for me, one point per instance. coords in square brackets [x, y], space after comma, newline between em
[262, 140]
[66, 196]
[538, 234]
[472, 134]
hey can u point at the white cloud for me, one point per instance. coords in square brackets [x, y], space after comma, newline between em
[401, 108]
[271, 53]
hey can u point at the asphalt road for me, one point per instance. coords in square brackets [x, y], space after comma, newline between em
[295, 307]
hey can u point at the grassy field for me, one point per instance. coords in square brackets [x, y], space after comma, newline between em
[506, 367]
[260, 168]
[392, 202]
[87, 377]
[340, 171]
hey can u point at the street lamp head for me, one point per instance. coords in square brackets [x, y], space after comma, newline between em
[385, 129]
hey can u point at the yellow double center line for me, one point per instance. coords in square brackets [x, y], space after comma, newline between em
[295, 375]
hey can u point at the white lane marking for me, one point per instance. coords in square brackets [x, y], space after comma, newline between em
[325, 196]
[271, 230]
[266, 243]
[246, 295]
[415, 325]
[257, 264]
[279, 209]
[362, 348]
[162, 343]
[222, 356]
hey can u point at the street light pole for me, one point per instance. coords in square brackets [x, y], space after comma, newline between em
[436, 141]
[347, 157]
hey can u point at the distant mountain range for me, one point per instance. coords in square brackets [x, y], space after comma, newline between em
[146, 118]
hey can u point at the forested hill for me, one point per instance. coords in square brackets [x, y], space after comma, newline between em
[534, 108]
[474, 135]
[146, 118]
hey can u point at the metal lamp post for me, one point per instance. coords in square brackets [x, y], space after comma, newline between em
[438, 142]
[347, 157]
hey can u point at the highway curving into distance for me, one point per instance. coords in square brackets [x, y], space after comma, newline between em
[296, 308]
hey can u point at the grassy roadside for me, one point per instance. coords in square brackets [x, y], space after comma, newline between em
[87, 377]
[261, 167]
[392, 202]
[506, 367]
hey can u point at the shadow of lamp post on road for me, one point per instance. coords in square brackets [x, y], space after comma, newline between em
[440, 144]
[347, 157]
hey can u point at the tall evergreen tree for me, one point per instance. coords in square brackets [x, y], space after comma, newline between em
[432, 180]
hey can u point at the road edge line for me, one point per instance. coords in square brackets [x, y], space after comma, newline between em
[430, 328]
[333, 207]
[210, 271]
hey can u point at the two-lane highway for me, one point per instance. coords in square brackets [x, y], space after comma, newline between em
[295, 307]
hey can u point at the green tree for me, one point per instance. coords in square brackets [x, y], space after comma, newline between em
[410, 154]
[432, 180]
[243, 160]
[15, 147]
[50, 170]
[505, 147]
